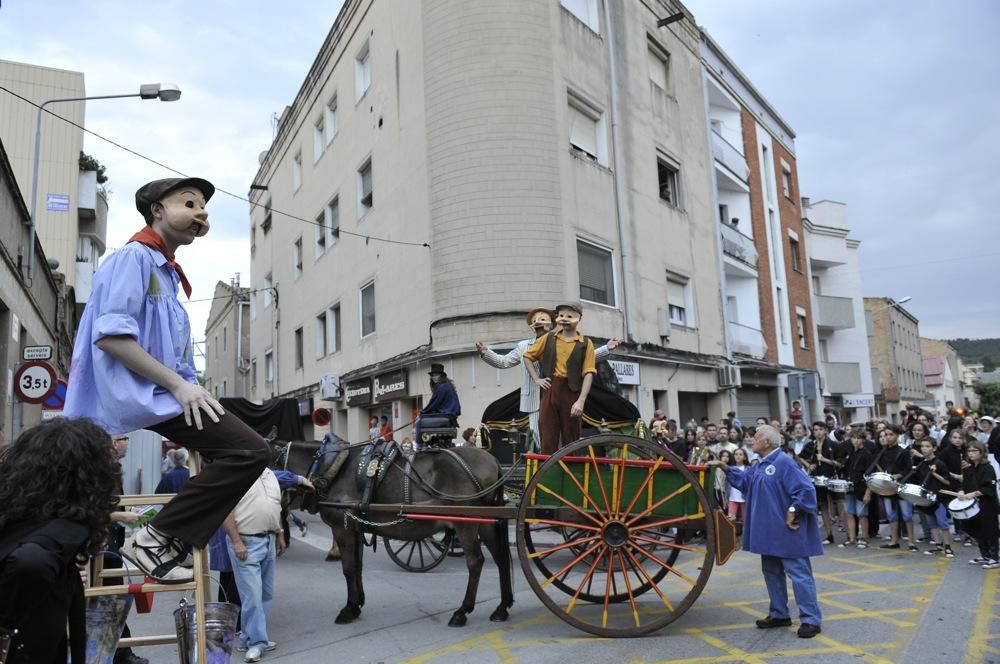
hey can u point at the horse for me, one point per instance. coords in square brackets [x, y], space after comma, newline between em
[434, 478]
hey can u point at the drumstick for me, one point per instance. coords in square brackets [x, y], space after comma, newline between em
[948, 493]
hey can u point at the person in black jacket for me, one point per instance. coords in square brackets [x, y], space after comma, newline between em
[56, 499]
[980, 482]
[858, 498]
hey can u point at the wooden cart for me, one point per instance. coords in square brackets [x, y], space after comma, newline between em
[615, 535]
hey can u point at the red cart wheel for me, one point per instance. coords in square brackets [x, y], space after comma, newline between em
[602, 521]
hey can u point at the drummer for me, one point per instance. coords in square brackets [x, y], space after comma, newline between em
[894, 460]
[933, 476]
[858, 497]
[824, 459]
[979, 483]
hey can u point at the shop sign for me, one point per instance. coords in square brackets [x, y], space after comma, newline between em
[359, 393]
[390, 386]
[627, 372]
[858, 400]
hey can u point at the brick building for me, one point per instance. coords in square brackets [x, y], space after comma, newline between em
[894, 348]
[766, 287]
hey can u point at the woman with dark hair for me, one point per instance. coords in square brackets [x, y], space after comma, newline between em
[57, 491]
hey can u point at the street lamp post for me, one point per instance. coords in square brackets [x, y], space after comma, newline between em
[163, 92]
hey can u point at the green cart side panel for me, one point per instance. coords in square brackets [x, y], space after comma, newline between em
[665, 481]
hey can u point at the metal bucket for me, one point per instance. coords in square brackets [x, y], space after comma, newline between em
[220, 632]
[106, 615]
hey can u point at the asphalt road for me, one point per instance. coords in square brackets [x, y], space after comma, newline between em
[879, 606]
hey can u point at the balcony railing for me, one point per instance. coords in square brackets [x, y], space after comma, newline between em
[729, 156]
[834, 313]
[747, 340]
[842, 377]
[738, 245]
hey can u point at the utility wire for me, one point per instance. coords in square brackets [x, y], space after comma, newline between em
[367, 238]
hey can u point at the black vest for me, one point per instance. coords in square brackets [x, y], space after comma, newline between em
[574, 364]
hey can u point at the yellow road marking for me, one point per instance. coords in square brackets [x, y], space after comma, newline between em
[985, 613]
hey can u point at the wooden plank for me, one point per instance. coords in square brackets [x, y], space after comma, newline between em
[145, 588]
[145, 499]
[154, 640]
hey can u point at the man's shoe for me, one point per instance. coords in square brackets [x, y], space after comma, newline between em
[303, 529]
[979, 560]
[253, 654]
[271, 645]
[991, 564]
[889, 546]
[771, 622]
[157, 556]
[807, 631]
[130, 658]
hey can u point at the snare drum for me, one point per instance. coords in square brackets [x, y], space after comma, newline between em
[917, 495]
[963, 509]
[882, 483]
[840, 486]
[820, 480]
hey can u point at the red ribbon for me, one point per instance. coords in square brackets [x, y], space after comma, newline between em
[151, 238]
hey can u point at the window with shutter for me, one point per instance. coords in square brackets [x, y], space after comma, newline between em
[596, 275]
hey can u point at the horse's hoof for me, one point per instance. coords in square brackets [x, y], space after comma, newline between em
[458, 619]
[348, 614]
[500, 615]
[331, 558]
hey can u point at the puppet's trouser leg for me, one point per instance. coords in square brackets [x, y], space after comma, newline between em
[237, 455]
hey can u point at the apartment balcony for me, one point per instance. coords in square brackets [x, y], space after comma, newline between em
[730, 157]
[842, 377]
[92, 210]
[834, 313]
[738, 245]
[747, 340]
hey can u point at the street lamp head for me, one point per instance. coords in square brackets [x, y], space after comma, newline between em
[161, 91]
[904, 300]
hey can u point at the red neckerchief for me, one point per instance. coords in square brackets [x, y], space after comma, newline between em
[151, 238]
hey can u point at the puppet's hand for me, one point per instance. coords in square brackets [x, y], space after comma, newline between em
[543, 383]
[614, 343]
[481, 347]
[577, 408]
[194, 399]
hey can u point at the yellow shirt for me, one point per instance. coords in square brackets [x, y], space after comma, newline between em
[563, 350]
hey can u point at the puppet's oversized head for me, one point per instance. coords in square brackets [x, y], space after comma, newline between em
[540, 320]
[568, 316]
[179, 202]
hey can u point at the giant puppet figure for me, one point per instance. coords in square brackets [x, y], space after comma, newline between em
[565, 369]
[133, 368]
[540, 321]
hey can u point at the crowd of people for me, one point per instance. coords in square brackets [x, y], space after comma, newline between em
[946, 460]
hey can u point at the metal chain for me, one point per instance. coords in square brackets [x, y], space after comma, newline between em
[372, 524]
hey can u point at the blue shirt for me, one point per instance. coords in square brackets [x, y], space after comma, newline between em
[135, 294]
[770, 487]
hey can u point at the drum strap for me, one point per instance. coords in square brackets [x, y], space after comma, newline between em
[878, 457]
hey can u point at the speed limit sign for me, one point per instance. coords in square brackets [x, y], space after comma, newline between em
[35, 381]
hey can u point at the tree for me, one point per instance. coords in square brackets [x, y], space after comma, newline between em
[989, 397]
[988, 362]
[88, 163]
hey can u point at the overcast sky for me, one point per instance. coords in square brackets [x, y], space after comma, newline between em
[894, 103]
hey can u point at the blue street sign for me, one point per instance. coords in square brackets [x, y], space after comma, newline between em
[57, 202]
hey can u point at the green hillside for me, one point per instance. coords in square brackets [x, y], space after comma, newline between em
[985, 351]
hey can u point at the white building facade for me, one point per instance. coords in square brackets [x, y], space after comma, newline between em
[459, 168]
[838, 302]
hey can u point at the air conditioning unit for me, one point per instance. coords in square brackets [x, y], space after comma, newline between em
[329, 387]
[729, 376]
